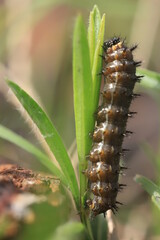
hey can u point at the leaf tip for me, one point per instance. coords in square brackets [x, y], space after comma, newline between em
[95, 7]
[137, 178]
[79, 19]
[7, 80]
[103, 17]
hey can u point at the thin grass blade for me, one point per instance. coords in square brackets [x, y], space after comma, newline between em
[97, 62]
[150, 80]
[50, 135]
[12, 137]
[93, 31]
[95, 40]
[151, 188]
[82, 81]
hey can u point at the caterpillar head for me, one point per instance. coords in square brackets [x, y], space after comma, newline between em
[111, 42]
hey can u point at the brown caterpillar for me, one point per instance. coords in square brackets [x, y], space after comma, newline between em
[119, 80]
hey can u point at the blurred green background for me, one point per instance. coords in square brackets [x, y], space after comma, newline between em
[36, 52]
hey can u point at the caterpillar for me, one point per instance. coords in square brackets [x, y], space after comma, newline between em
[110, 129]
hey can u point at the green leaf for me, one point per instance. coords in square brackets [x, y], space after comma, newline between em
[24, 144]
[93, 31]
[69, 231]
[91, 37]
[85, 97]
[82, 83]
[50, 135]
[97, 62]
[151, 79]
[86, 65]
[151, 188]
[95, 40]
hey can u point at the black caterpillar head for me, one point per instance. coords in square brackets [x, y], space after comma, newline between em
[111, 42]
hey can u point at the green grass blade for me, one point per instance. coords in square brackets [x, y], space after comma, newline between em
[84, 96]
[50, 135]
[151, 79]
[97, 62]
[86, 66]
[95, 40]
[12, 137]
[91, 37]
[93, 30]
[151, 188]
[82, 81]
[97, 22]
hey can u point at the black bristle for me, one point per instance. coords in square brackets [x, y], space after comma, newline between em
[121, 186]
[123, 168]
[125, 150]
[119, 203]
[130, 132]
[116, 207]
[123, 40]
[138, 63]
[130, 114]
[135, 95]
[102, 56]
[134, 47]
[127, 133]
[138, 78]
[113, 210]
[100, 73]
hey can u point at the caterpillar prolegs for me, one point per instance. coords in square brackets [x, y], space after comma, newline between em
[119, 80]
